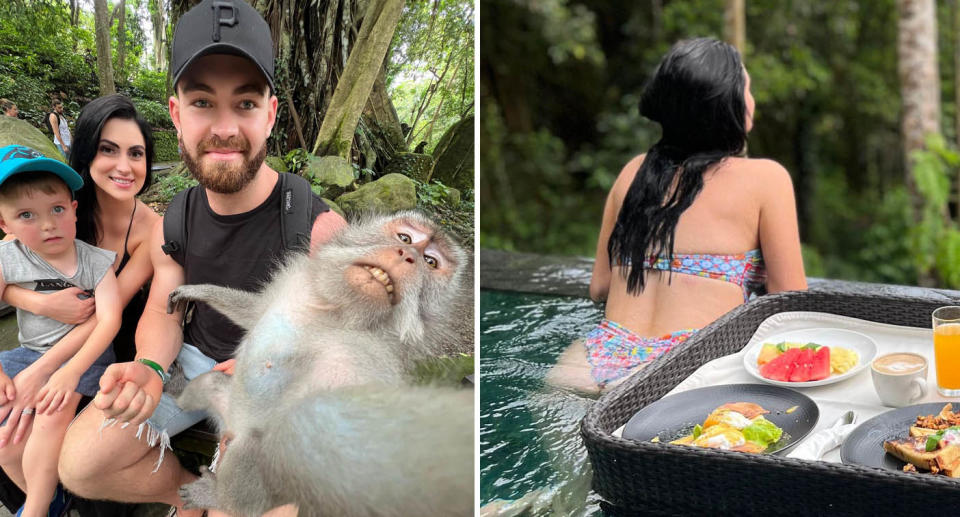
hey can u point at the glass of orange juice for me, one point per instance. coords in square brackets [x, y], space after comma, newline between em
[946, 350]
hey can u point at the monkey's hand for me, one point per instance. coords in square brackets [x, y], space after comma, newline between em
[202, 492]
[177, 301]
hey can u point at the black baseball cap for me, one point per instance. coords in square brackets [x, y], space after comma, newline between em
[222, 27]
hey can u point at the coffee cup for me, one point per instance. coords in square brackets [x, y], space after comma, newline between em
[899, 378]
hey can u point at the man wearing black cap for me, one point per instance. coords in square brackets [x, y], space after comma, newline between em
[224, 110]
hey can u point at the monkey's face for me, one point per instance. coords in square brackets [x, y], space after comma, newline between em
[400, 268]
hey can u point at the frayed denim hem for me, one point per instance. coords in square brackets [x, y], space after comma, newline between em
[154, 437]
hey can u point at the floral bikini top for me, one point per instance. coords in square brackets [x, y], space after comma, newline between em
[743, 269]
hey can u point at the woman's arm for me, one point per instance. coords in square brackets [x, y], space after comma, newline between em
[64, 306]
[600, 279]
[779, 232]
[135, 274]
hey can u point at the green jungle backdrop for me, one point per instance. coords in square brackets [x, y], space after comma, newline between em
[559, 89]
[416, 119]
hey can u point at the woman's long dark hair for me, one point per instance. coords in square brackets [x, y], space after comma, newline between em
[696, 95]
[86, 144]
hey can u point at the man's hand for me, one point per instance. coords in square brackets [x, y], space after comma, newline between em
[226, 366]
[66, 307]
[129, 392]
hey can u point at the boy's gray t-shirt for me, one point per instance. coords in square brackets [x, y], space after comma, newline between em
[24, 268]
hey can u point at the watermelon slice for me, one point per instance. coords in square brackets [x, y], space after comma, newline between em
[821, 364]
[803, 366]
[780, 368]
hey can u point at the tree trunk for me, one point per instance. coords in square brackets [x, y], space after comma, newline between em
[920, 91]
[359, 74]
[312, 40]
[919, 79]
[104, 64]
[735, 24]
[380, 118]
[955, 6]
[74, 12]
[121, 40]
[158, 14]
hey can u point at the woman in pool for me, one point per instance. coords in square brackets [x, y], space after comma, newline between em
[691, 229]
[113, 152]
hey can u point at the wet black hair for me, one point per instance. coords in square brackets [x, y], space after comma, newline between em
[696, 95]
[86, 144]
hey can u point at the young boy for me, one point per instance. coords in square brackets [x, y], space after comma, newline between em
[47, 375]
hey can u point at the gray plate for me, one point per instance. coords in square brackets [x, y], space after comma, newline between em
[674, 415]
[864, 446]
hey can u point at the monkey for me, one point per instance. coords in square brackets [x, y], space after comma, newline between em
[320, 411]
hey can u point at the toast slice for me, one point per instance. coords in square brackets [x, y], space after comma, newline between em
[913, 450]
[921, 431]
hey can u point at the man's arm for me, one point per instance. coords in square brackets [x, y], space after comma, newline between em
[131, 391]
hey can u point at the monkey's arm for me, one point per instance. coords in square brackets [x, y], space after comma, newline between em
[240, 306]
[209, 392]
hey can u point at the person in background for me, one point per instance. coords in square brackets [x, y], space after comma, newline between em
[9, 108]
[691, 229]
[57, 122]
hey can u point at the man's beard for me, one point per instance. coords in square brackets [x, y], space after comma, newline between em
[224, 177]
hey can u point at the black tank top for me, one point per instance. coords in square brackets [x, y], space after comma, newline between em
[123, 343]
[239, 251]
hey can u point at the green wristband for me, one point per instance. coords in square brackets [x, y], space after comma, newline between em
[164, 376]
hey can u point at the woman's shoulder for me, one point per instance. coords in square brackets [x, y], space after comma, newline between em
[143, 222]
[757, 166]
[627, 173]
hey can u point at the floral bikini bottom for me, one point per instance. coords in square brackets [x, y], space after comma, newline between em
[613, 350]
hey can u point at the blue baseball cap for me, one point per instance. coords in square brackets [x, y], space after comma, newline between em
[15, 159]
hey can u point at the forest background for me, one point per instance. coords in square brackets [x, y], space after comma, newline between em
[419, 89]
[858, 99]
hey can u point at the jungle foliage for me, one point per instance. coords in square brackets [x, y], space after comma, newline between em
[48, 50]
[559, 90]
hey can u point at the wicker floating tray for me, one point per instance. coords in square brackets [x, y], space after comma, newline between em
[640, 477]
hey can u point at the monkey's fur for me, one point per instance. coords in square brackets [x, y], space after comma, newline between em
[319, 411]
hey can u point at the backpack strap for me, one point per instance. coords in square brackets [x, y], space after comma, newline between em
[175, 226]
[296, 204]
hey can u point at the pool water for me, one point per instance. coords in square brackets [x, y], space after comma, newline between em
[530, 445]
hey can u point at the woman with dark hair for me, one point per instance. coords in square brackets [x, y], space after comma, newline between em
[691, 229]
[113, 152]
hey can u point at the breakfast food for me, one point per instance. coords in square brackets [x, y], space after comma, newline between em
[736, 426]
[803, 362]
[933, 444]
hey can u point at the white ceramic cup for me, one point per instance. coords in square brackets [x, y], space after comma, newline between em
[900, 378]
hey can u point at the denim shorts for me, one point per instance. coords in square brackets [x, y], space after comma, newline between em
[16, 360]
[168, 418]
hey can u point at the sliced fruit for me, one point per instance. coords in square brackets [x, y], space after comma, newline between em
[803, 366]
[780, 368]
[767, 353]
[821, 364]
